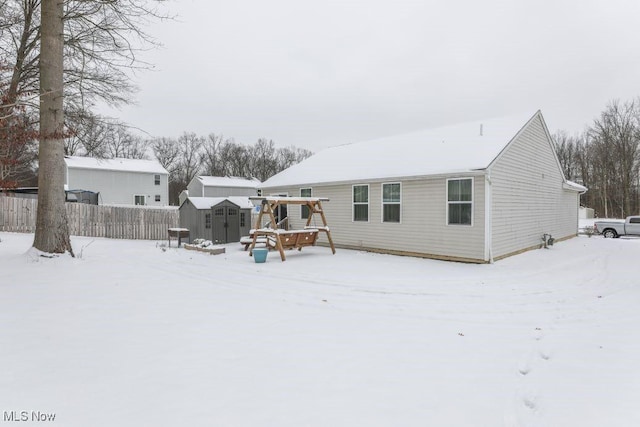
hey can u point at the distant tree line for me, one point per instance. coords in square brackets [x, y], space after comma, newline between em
[186, 156]
[214, 155]
[605, 158]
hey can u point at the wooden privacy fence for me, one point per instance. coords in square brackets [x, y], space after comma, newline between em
[116, 222]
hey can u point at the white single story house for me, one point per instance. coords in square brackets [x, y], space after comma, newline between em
[119, 181]
[474, 192]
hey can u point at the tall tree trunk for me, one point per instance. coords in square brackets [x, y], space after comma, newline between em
[52, 229]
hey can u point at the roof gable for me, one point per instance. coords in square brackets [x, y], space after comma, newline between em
[117, 164]
[445, 150]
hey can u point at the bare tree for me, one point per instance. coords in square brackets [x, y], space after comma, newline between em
[167, 152]
[52, 230]
[606, 159]
[123, 144]
[263, 160]
[210, 155]
[18, 149]
[103, 39]
[289, 156]
[102, 42]
[234, 158]
[190, 145]
[20, 26]
[566, 147]
[616, 136]
[88, 135]
[214, 155]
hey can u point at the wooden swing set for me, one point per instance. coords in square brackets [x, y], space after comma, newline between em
[289, 239]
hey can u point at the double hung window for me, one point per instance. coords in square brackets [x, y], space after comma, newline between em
[391, 202]
[361, 203]
[460, 201]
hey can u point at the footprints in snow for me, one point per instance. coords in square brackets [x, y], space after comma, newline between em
[540, 353]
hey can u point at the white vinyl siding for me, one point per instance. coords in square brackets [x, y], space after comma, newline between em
[391, 202]
[423, 229]
[527, 195]
[119, 187]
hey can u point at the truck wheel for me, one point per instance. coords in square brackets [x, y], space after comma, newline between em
[609, 233]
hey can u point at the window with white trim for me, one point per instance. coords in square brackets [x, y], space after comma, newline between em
[304, 210]
[158, 197]
[361, 202]
[460, 201]
[156, 179]
[139, 199]
[391, 202]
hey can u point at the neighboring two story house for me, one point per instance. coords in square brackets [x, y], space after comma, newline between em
[119, 181]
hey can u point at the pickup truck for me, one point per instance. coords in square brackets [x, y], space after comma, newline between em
[610, 229]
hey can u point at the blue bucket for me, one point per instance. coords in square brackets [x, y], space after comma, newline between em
[260, 254]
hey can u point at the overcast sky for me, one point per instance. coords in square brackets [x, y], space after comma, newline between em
[322, 73]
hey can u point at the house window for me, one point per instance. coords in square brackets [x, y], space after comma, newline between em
[460, 201]
[157, 197]
[156, 179]
[361, 202]
[207, 220]
[243, 220]
[139, 200]
[304, 210]
[391, 202]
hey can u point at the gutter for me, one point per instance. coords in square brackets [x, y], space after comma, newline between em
[488, 219]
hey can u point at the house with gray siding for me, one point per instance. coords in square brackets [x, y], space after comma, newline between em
[119, 181]
[473, 192]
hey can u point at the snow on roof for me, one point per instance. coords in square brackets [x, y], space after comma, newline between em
[117, 164]
[228, 181]
[570, 185]
[208, 202]
[459, 148]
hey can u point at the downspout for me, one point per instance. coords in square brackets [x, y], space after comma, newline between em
[488, 229]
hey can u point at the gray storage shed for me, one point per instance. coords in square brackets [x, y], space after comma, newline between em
[219, 219]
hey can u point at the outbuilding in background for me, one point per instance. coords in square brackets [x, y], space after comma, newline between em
[219, 219]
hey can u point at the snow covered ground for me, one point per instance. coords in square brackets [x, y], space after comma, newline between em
[133, 335]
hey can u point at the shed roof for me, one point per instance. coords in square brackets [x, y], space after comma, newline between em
[117, 164]
[228, 181]
[208, 202]
[450, 149]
